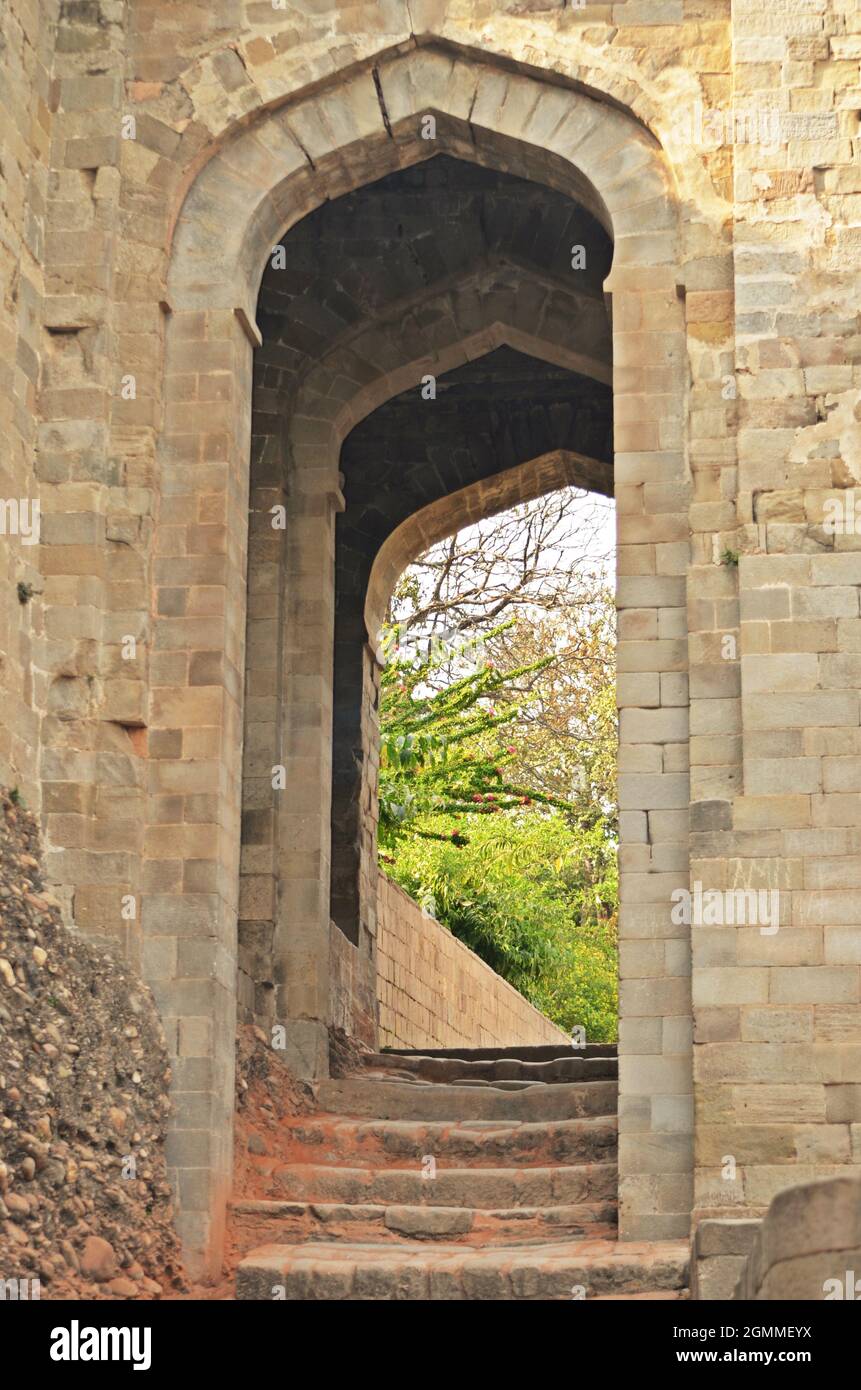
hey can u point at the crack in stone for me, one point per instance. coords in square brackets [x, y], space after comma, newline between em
[381, 99]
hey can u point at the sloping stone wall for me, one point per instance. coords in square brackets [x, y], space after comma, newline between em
[435, 992]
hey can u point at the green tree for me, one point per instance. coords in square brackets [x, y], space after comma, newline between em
[441, 750]
[535, 898]
[498, 759]
[524, 877]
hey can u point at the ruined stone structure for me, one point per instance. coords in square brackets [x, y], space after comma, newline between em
[428, 167]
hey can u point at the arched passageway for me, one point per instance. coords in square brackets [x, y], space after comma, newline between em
[359, 346]
[446, 256]
[490, 419]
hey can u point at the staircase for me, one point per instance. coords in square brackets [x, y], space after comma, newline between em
[485, 1173]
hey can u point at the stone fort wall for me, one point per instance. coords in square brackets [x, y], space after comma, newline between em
[131, 256]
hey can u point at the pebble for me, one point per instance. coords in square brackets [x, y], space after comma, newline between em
[70, 1255]
[123, 1288]
[98, 1261]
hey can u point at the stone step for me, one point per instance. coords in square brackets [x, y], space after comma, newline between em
[486, 1188]
[264, 1223]
[337, 1139]
[457, 1069]
[416, 1271]
[653, 1295]
[548, 1052]
[378, 1098]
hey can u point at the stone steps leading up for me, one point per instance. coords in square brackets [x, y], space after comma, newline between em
[460, 1070]
[375, 1098]
[481, 1174]
[288, 1223]
[547, 1052]
[450, 1187]
[557, 1271]
[335, 1139]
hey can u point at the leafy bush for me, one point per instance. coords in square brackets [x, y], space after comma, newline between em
[497, 802]
[534, 898]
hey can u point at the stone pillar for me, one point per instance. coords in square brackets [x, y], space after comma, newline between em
[652, 495]
[191, 865]
[301, 948]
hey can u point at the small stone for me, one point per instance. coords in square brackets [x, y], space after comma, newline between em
[98, 1261]
[27, 1169]
[123, 1288]
[7, 974]
[39, 955]
[70, 1255]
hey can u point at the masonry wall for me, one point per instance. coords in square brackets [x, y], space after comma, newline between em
[807, 1247]
[732, 435]
[435, 992]
[775, 737]
[26, 35]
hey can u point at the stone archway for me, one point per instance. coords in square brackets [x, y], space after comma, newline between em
[234, 211]
[547, 473]
[493, 418]
[378, 341]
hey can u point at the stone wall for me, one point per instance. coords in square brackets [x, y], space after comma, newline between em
[808, 1246]
[736, 314]
[435, 992]
[26, 50]
[719, 1253]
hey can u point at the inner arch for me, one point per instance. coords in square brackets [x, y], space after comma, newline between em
[485, 423]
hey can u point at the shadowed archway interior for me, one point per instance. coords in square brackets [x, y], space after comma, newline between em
[441, 253]
[486, 419]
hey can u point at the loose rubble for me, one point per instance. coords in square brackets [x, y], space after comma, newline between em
[85, 1205]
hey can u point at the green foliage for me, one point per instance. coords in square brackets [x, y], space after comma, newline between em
[440, 750]
[524, 877]
[533, 896]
